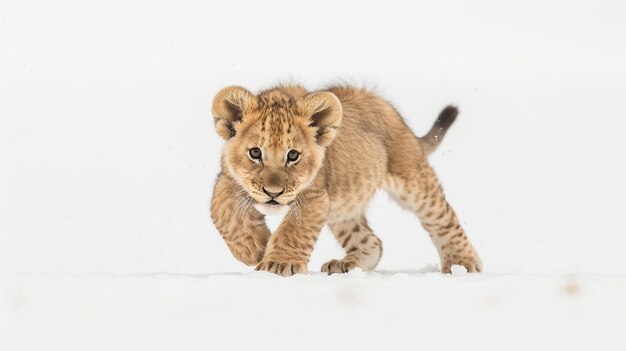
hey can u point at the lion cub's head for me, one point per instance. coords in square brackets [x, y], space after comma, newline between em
[275, 141]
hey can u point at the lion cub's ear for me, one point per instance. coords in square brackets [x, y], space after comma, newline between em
[228, 109]
[326, 113]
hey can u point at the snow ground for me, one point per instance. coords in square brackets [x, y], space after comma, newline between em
[358, 311]
[108, 155]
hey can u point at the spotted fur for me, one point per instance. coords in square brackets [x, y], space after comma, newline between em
[351, 143]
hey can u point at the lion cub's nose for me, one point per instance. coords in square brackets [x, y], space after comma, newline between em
[273, 193]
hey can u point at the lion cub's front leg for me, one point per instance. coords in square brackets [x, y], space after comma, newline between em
[242, 227]
[289, 249]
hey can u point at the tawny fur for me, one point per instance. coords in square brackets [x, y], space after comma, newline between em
[351, 143]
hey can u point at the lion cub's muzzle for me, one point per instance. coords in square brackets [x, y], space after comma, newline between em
[273, 193]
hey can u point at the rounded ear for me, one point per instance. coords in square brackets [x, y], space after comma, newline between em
[228, 109]
[326, 112]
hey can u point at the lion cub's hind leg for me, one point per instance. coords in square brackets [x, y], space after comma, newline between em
[423, 195]
[363, 247]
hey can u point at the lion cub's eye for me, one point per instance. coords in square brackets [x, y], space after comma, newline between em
[255, 153]
[293, 156]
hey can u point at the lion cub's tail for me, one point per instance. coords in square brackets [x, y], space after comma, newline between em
[431, 141]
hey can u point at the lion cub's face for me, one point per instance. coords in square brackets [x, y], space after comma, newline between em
[273, 158]
[275, 141]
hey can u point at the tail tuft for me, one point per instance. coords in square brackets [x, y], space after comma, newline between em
[447, 117]
[431, 141]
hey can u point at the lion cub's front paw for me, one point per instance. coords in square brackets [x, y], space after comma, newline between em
[338, 266]
[281, 267]
[250, 253]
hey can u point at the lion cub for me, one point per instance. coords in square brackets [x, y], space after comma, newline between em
[321, 156]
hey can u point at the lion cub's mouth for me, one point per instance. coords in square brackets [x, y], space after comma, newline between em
[272, 208]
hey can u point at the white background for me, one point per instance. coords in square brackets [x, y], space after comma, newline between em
[108, 152]
[108, 157]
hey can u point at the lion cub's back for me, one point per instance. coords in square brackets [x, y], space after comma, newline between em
[358, 156]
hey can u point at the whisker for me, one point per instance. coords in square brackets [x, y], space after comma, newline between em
[295, 208]
[304, 201]
[247, 206]
[241, 205]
